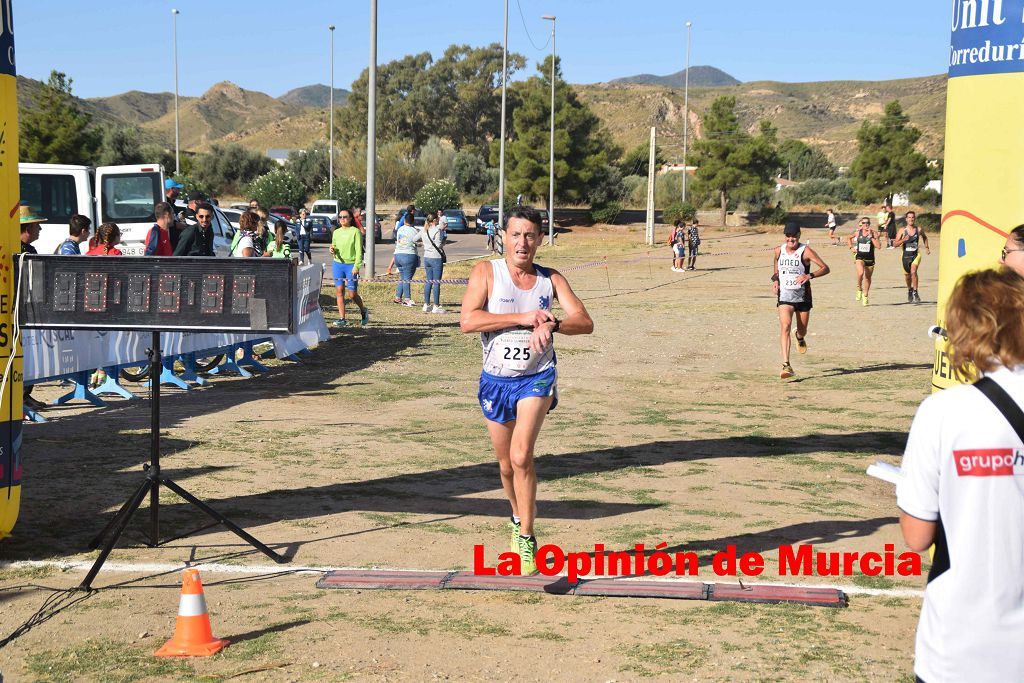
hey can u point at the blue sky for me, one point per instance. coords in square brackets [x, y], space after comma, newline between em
[117, 45]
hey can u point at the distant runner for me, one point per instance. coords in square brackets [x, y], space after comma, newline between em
[830, 222]
[693, 237]
[508, 301]
[910, 238]
[791, 283]
[863, 241]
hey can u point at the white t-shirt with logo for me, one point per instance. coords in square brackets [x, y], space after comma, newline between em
[964, 464]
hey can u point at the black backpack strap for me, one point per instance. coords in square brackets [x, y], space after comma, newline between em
[1006, 405]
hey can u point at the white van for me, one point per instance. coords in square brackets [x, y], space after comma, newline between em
[328, 208]
[124, 195]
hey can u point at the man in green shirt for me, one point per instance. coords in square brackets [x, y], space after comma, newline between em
[347, 249]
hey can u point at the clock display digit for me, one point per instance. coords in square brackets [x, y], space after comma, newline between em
[243, 287]
[64, 291]
[212, 299]
[95, 292]
[168, 298]
[138, 293]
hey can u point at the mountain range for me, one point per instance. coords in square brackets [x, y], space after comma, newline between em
[700, 77]
[826, 114]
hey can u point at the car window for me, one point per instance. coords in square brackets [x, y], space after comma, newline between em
[53, 196]
[130, 197]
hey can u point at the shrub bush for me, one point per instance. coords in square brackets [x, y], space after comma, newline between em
[679, 211]
[773, 215]
[607, 213]
[349, 191]
[277, 187]
[436, 195]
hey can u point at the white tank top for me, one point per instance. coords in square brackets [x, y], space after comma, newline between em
[507, 352]
[792, 266]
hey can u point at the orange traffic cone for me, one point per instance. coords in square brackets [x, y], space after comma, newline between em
[193, 636]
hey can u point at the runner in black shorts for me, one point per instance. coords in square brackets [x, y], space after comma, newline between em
[791, 283]
[863, 242]
[910, 238]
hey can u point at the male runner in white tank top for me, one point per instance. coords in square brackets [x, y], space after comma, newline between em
[508, 301]
[792, 285]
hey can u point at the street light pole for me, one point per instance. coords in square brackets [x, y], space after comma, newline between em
[371, 147]
[501, 154]
[686, 106]
[330, 182]
[551, 161]
[177, 139]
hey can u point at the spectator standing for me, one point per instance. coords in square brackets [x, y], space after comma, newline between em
[889, 229]
[693, 237]
[108, 236]
[305, 226]
[29, 233]
[433, 237]
[263, 233]
[347, 249]
[405, 258]
[254, 205]
[1013, 250]
[279, 247]
[197, 239]
[78, 232]
[172, 189]
[158, 240]
[961, 490]
[677, 240]
[244, 243]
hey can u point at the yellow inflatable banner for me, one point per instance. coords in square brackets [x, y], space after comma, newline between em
[10, 245]
[982, 197]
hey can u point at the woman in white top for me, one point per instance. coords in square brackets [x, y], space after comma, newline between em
[963, 491]
[405, 258]
[432, 236]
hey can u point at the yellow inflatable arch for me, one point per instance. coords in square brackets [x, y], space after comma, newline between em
[10, 244]
[983, 183]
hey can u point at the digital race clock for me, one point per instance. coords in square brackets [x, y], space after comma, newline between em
[173, 294]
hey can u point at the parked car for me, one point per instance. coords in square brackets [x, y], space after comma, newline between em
[328, 208]
[544, 220]
[233, 215]
[320, 229]
[286, 212]
[487, 212]
[456, 220]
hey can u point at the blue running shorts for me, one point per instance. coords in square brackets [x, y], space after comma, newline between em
[499, 396]
[343, 276]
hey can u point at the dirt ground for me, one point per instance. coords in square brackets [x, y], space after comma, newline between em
[673, 427]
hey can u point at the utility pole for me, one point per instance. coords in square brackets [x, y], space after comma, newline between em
[330, 182]
[686, 107]
[501, 161]
[177, 138]
[551, 162]
[371, 147]
[650, 189]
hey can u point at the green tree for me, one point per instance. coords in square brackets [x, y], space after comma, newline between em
[805, 162]
[469, 171]
[582, 146]
[636, 160]
[406, 104]
[279, 186]
[467, 80]
[347, 190]
[886, 161]
[453, 98]
[56, 130]
[311, 166]
[731, 163]
[120, 145]
[228, 168]
[437, 195]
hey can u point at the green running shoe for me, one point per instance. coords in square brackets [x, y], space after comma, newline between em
[513, 526]
[528, 555]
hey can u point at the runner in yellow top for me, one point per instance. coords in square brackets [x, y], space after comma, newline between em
[347, 249]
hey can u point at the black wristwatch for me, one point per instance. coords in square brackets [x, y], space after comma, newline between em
[558, 324]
